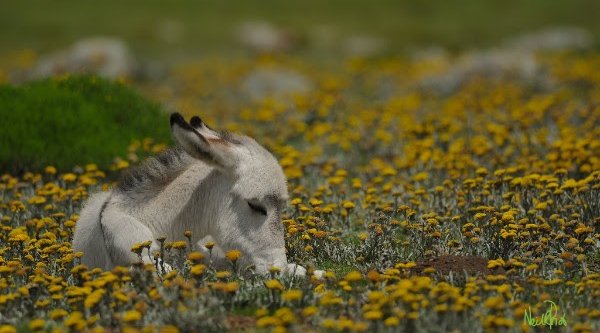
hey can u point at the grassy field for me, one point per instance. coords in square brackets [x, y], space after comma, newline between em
[208, 27]
[431, 211]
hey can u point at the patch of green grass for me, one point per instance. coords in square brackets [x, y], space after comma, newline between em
[340, 269]
[244, 311]
[73, 121]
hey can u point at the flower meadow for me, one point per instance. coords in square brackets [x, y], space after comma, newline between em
[431, 209]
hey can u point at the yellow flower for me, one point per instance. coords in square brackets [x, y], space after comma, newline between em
[286, 315]
[76, 321]
[36, 324]
[195, 256]
[429, 270]
[373, 315]
[375, 296]
[409, 264]
[273, 284]
[373, 276]
[328, 323]
[168, 329]
[569, 184]
[179, 245]
[223, 274]
[494, 303]
[131, 316]
[198, 270]
[291, 295]
[315, 202]
[496, 263]
[118, 295]
[348, 204]
[392, 321]
[92, 299]
[353, 276]
[481, 172]
[137, 248]
[508, 217]
[17, 236]
[267, 321]
[36, 200]
[421, 176]
[69, 177]
[16, 206]
[122, 164]
[91, 167]
[231, 287]
[50, 170]
[7, 329]
[124, 329]
[233, 255]
[57, 314]
[503, 289]
[309, 311]
[441, 307]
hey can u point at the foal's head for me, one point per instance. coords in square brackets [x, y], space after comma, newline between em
[255, 194]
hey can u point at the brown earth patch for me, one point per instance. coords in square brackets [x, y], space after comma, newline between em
[473, 265]
[240, 323]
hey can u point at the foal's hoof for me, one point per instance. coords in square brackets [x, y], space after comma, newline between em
[318, 274]
[164, 268]
[296, 270]
[160, 268]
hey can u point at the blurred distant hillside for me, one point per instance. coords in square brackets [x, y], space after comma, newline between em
[180, 29]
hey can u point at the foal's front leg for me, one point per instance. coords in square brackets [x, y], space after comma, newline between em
[121, 233]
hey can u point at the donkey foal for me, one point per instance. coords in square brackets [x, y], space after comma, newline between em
[215, 184]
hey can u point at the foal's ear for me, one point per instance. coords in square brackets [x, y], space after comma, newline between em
[203, 143]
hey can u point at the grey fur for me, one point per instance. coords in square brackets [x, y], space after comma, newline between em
[154, 172]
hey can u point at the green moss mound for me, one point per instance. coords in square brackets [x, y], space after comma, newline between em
[73, 121]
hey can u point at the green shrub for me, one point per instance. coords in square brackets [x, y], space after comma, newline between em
[73, 121]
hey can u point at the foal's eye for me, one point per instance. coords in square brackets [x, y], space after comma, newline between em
[257, 208]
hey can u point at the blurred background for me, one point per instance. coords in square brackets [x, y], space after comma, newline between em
[172, 30]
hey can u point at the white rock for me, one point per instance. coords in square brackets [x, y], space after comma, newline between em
[275, 83]
[363, 46]
[493, 64]
[552, 39]
[263, 37]
[103, 56]
[516, 58]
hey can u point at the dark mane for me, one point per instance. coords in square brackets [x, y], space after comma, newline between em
[230, 137]
[154, 171]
